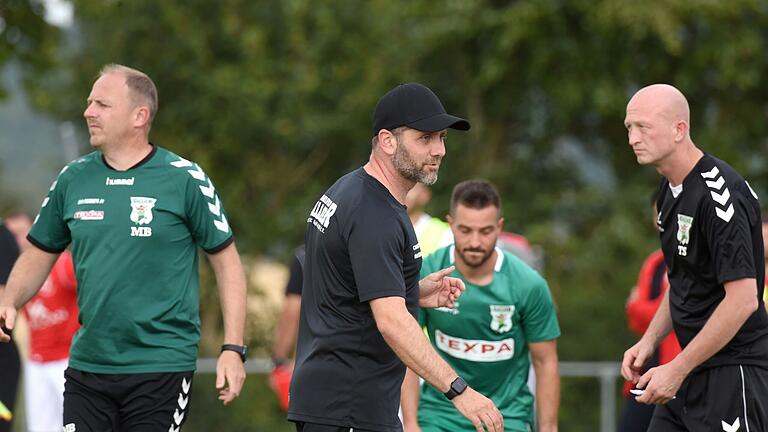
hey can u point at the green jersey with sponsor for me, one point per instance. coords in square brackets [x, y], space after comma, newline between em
[485, 339]
[134, 237]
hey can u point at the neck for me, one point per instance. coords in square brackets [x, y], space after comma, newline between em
[415, 216]
[127, 154]
[481, 275]
[679, 164]
[389, 177]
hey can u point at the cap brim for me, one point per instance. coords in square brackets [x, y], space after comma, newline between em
[440, 122]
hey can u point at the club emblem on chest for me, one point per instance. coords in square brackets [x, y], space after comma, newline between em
[141, 210]
[684, 224]
[501, 317]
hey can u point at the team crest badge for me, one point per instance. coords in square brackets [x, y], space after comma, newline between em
[501, 318]
[684, 228]
[141, 212]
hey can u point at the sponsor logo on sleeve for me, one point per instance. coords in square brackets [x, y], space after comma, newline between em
[416, 251]
[321, 213]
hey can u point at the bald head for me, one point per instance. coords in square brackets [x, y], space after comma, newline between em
[664, 100]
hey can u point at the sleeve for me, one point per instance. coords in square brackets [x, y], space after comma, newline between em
[376, 245]
[9, 251]
[539, 317]
[50, 231]
[206, 217]
[728, 233]
[295, 278]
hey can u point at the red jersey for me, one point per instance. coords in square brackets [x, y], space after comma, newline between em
[52, 313]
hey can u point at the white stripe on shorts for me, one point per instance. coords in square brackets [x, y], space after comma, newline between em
[744, 397]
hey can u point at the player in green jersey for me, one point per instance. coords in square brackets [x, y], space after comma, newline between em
[134, 215]
[505, 313]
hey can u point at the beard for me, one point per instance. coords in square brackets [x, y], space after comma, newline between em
[473, 260]
[414, 171]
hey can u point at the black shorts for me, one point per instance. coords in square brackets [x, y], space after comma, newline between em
[126, 402]
[725, 398]
[314, 427]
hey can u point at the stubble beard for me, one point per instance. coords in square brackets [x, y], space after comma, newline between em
[412, 170]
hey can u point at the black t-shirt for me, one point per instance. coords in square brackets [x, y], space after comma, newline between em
[9, 251]
[360, 246]
[296, 272]
[711, 233]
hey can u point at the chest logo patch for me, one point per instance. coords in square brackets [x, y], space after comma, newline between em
[501, 317]
[684, 224]
[141, 210]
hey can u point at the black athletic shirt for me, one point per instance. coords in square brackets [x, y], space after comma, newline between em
[296, 272]
[360, 246]
[9, 251]
[711, 233]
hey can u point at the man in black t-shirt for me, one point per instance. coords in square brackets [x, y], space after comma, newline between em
[710, 228]
[362, 290]
[10, 365]
[286, 330]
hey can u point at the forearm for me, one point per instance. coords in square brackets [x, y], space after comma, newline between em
[409, 397]
[287, 326]
[26, 278]
[721, 327]
[547, 395]
[661, 324]
[403, 334]
[230, 281]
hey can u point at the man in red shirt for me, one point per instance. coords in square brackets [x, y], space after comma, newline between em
[52, 318]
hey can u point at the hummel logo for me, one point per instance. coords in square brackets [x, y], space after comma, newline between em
[207, 190]
[185, 385]
[731, 427]
[721, 198]
[120, 181]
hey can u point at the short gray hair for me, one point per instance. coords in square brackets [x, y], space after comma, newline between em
[140, 84]
[397, 132]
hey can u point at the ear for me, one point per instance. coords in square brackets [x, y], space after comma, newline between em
[681, 130]
[141, 116]
[387, 142]
[500, 224]
[449, 219]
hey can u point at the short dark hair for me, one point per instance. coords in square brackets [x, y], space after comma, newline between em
[476, 194]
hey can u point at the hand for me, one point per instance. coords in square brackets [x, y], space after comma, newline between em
[479, 410]
[634, 359]
[230, 376]
[440, 290]
[411, 427]
[7, 322]
[280, 382]
[660, 383]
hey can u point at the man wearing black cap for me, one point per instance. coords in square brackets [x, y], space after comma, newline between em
[361, 287]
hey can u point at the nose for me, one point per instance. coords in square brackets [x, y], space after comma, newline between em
[88, 113]
[634, 136]
[438, 148]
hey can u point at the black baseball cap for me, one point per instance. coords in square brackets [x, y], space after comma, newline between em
[416, 106]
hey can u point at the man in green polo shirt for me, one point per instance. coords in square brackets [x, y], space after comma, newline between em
[133, 215]
[505, 313]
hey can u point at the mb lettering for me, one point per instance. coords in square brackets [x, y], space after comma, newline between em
[141, 231]
[321, 214]
[475, 350]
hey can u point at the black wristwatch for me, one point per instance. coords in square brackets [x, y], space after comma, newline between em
[240, 349]
[457, 387]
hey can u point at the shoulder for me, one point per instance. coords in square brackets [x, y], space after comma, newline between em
[77, 166]
[518, 270]
[438, 259]
[721, 185]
